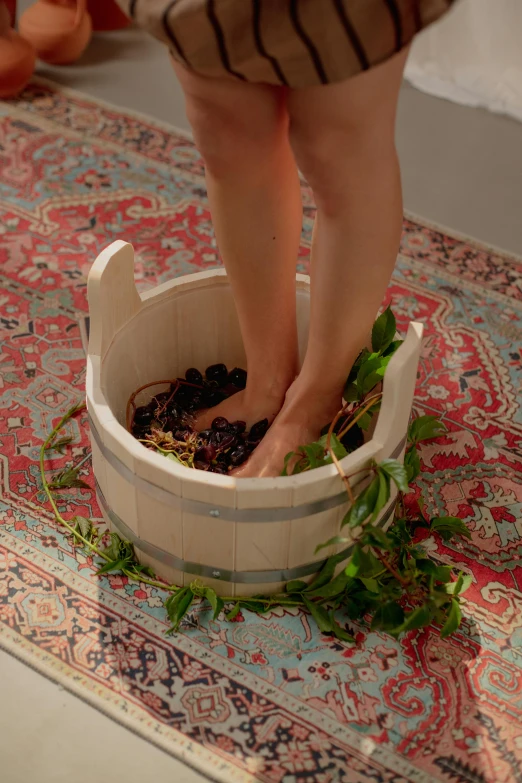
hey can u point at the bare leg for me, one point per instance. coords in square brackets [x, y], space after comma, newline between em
[253, 186]
[343, 139]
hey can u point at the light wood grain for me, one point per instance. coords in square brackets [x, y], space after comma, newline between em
[192, 321]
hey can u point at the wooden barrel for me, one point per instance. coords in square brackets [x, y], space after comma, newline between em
[241, 536]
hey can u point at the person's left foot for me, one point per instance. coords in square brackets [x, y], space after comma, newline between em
[299, 423]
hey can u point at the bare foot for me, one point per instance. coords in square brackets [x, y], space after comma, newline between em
[246, 406]
[300, 422]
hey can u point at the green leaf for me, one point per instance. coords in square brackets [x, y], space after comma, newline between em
[215, 601]
[396, 472]
[339, 632]
[173, 600]
[447, 527]
[234, 611]
[387, 617]
[319, 614]
[259, 606]
[58, 445]
[335, 587]
[393, 347]
[363, 505]
[288, 457]
[327, 571]
[113, 550]
[332, 542]
[383, 331]
[335, 445]
[352, 569]
[463, 582]
[412, 464]
[384, 493]
[371, 373]
[425, 428]
[113, 565]
[374, 536]
[400, 531]
[365, 420]
[68, 479]
[296, 586]
[83, 525]
[363, 564]
[313, 454]
[137, 569]
[371, 584]
[453, 620]
[180, 610]
[418, 618]
[350, 393]
[441, 573]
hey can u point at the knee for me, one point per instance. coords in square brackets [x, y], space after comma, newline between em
[338, 159]
[229, 139]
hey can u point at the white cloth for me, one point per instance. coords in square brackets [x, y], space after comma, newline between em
[473, 56]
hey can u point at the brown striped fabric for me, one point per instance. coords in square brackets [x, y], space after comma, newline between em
[296, 43]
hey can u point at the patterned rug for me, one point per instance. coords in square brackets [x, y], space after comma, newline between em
[266, 699]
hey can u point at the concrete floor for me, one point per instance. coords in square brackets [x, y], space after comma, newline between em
[461, 167]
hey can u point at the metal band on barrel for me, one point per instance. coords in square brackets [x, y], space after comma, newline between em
[211, 572]
[226, 513]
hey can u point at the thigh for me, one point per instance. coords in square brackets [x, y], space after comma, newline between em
[363, 105]
[240, 107]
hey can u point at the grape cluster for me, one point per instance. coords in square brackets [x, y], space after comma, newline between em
[166, 423]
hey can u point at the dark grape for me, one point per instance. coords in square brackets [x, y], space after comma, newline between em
[259, 430]
[229, 389]
[201, 465]
[220, 424]
[229, 441]
[221, 469]
[194, 376]
[238, 377]
[174, 410]
[171, 424]
[205, 435]
[162, 397]
[143, 416]
[353, 439]
[197, 400]
[217, 373]
[181, 434]
[205, 453]
[237, 427]
[213, 397]
[215, 438]
[239, 455]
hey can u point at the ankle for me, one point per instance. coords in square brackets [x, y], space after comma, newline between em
[314, 403]
[269, 384]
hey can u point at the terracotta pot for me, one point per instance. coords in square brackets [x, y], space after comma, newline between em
[106, 15]
[17, 58]
[59, 30]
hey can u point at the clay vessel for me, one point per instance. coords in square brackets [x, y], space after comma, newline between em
[17, 58]
[59, 30]
[106, 15]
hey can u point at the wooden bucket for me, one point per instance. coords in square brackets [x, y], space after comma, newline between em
[241, 536]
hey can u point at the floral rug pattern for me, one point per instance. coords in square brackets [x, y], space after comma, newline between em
[258, 699]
